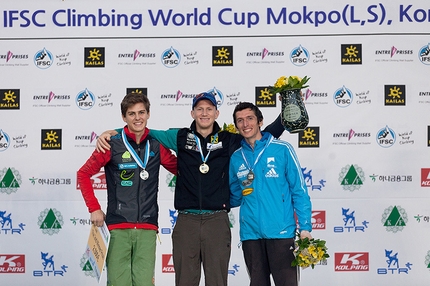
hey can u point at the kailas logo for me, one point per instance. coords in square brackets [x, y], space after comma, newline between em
[12, 263]
[94, 57]
[51, 139]
[349, 223]
[4, 140]
[139, 90]
[85, 99]
[170, 58]
[386, 137]
[351, 54]
[393, 266]
[43, 59]
[85, 265]
[50, 221]
[351, 177]
[263, 97]
[343, 97]
[222, 56]
[307, 175]
[7, 226]
[98, 181]
[424, 54]
[394, 218]
[234, 270]
[299, 56]
[10, 180]
[49, 268]
[309, 138]
[395, 95]
[9, 98]
[167, 263]
[318, 220]
[351, 261]
[425, 177]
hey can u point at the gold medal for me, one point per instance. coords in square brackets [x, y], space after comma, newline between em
[204, 168]
[247, 191]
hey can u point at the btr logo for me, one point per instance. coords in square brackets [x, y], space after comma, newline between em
[49, 268]
[307, 175]
[167, 263]
[234, 270]
[7, 225]
[12, 263]
[349, 223]
[393, 266]
[173, 214]
[351, 261]
[425, 177]
[318, 220]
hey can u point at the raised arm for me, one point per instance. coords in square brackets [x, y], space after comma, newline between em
[275, 128]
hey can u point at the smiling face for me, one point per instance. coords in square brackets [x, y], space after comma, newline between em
[248, 126]
[136, 117]
[205, 114]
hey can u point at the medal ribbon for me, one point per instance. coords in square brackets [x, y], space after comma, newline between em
[133, 152]
[204, 159]
[258, 157]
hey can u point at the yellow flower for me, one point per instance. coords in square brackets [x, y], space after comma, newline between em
[287, 83]
[309, 252]
[229, 128]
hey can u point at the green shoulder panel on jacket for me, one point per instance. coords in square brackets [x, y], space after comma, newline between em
[167, 138]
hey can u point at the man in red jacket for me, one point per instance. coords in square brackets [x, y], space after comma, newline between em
[132, 173]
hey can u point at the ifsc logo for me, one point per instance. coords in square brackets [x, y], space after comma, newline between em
[4, 140]
[219, 96]
[424, 54]
[171, 58]
[85, 99]
[386, 137]
[43, 59]
[299, 56]
[343, 97]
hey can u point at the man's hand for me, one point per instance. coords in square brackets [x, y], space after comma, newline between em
[102, 143]
[305, 233]
[97, 217]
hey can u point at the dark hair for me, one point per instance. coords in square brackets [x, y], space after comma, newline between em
[244, 105]
[132, 99]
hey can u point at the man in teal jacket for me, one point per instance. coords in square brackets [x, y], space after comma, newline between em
[267, 183]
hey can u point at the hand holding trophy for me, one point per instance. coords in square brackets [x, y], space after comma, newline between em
[293, 112]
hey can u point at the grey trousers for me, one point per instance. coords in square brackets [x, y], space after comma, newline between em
[201, 239]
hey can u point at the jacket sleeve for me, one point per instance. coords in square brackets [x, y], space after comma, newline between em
[275, 128]
[235, 187]
[168, 138]
[168, 160]
[299, 192]
[91, 167]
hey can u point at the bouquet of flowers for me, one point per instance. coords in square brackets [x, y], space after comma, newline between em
[309, 252]
[287, 83]
[229, 128]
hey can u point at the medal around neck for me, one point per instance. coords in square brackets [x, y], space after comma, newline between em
[204, 168]
[247, 183]
[144, 175]
[250, 176]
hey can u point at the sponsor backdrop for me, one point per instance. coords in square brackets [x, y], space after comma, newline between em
[66, 65]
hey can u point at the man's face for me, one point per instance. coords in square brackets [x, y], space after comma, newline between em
[204, 113]
[136, 118]
[248, 125]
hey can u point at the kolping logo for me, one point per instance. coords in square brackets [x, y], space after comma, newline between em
[299, 56]
[386, 137]
[343, 97]
[394, 218]
[318, 220]
[10, 180]
[50, 221]
[170, 58]
[351, 261]
[424, 54]
[85, 99]
[12, 263]
[4, 140]
[43, 59]
[351, 177]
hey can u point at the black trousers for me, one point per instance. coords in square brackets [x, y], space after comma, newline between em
[270, 256]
